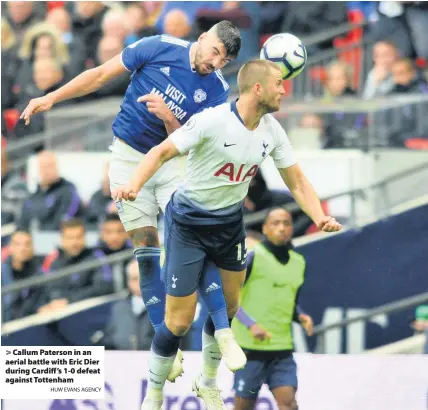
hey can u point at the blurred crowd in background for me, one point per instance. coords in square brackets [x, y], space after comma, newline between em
[45, 44]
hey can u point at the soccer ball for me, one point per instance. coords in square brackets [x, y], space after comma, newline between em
[287, 51]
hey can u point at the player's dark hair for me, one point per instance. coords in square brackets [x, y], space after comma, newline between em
[230, 36]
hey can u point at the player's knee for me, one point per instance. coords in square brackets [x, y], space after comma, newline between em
[288, 405]
[178, 325]
[146, 236]
[179, 322]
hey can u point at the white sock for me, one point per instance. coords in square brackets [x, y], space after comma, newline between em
[212, 357]
[159, 368]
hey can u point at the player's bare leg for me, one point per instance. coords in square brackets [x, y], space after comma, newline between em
[244, 403]
[285, 397]
[232, 353]
[147, 252]
[223, 344]
[179, 315]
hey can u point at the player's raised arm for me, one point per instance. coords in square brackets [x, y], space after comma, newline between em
[147, 167]
[296, 181]
[85, 83]
[132, 57]
[306, 197]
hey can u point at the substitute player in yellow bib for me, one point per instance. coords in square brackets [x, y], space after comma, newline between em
[269, 304]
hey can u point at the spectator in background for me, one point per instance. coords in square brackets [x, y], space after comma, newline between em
[129, 326]
[82, 284]
[407, 79]
[47, 76]
[55, 200]
[13, 192]
[21, 264]
[43, 41]
[87, 21]
[109, 47]
[9, 59]
[310, 18]
[22, 15]
[114, 239]
[338, 83]
[101, 203]
[178, 17]
[177, 23]
[137, 18]
[115, 24]
[60, 18]
[379, 80]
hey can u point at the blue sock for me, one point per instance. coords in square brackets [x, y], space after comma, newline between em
[152, 288]
[165, 343]
[211, 293]
[209, 327]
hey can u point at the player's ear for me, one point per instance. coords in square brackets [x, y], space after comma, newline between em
[258, 89]
[201, 37]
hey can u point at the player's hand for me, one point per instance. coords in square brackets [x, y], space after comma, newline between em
[124, 192]
[259, 332]
[329, 224]
[307, 323]
[36, 105]
[157, 106]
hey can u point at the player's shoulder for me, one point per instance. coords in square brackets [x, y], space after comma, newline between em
[273, 126]
[219, 84]
[170, 42]
[214, 114]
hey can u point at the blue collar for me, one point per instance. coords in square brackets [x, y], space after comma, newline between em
[235, 111]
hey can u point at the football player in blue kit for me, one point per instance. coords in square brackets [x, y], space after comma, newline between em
[204, 218]
[171, 80]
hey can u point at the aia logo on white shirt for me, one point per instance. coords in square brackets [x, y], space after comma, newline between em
[199, 96]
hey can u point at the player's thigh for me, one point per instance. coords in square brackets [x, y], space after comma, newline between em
[282, 381]
[248, 382]
[144, 210]
[180, 312]
[184, 259]
[232, 266]
[232, 283]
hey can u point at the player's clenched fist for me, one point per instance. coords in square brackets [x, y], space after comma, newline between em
[329, 224]
[156, 105]
[124, 192]
[36, 105]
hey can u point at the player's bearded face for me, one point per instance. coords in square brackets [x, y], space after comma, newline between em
[272, 94]
[210, 55]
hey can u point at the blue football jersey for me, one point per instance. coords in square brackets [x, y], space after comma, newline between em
[161, 65]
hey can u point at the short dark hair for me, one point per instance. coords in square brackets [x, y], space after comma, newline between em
[21, 230]
[229, 35]
[112, 217]
[72, 223]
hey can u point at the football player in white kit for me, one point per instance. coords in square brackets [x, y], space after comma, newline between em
[204, 218]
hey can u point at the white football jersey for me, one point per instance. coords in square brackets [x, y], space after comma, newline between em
[224, 155]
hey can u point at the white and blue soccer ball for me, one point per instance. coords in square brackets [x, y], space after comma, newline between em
[287, 51]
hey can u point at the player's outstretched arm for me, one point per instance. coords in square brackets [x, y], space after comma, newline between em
[85, 83]
[306, 197]
[147, 167]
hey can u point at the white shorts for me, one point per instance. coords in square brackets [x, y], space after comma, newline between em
[156, 192]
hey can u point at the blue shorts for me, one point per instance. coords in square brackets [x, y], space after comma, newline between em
[187, 247]
[275, 373]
